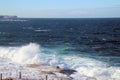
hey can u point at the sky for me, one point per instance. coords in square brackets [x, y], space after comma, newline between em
[61, 8]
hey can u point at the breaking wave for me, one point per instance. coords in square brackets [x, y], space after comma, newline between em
[33, 54]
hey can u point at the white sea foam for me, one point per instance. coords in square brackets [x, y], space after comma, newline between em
[39, 30]
[87, 68]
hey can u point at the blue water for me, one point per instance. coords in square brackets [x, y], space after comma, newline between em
[94, 38]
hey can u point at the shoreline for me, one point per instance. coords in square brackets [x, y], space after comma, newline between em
[43, 71]
[11, 71]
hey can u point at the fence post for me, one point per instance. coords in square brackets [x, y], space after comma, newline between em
[19, 75]
[46, 77]
[0, 76]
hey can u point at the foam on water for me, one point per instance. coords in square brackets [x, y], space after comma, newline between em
[87, 68]
[38, 30]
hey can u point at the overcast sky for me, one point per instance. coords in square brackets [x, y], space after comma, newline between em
[60, 8]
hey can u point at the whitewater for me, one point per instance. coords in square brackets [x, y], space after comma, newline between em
[15, 59]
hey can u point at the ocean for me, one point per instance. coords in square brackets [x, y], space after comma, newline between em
[89, 45]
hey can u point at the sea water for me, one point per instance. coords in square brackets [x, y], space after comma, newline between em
[89, 46]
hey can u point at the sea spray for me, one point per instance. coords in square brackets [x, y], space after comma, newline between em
[24, 54]
[30, 54]
[87, 68]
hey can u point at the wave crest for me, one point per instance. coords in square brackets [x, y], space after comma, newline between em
[25, 54]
